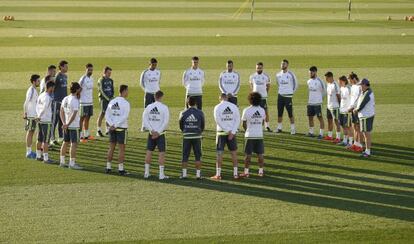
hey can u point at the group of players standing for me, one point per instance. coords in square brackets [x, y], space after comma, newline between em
[350, 107]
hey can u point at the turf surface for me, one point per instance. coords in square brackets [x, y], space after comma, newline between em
[313, 191]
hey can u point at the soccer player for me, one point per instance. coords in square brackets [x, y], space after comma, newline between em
[44, 119]
[116, 116]
[260, 82]
[106, 94]
[229, 82]
[332, 112]
[227, 117]
[192, 125]
[253, 117]
[155, 119]
[51, 71]
[29, 114]
[193, 81]
[317, 91]
[345, 118]
[288, 85]
[366, 114]
[60, 92]
[86, 102]
[69, 114]
[355, 94]
[150, 82]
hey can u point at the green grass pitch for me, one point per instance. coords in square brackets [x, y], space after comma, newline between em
[314, 192]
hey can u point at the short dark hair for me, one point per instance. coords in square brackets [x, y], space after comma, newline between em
[353, 76]
[153, 61]
[229, 61]
[48, 78]
[329, 74]
[74, 86]
[343, 78]
[51, 67]
[259, 63]
[195, 58]
[89, 65]
[285, 61]
[159, 94]
[34, 77]
[107, 68]
[50, 84]
[255, 98]
[191, 101]
[313, 69]
[122, 88]
[62, 63]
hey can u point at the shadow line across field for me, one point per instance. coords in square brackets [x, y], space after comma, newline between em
[355, 189]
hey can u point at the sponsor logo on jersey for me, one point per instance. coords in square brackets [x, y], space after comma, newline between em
[154, 111]
[191, 119]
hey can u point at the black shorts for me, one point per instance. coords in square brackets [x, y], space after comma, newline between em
[44, 132]
[355, 119]
[119, 135]
[199, 101]
[71, 135]
[30, 124]
[366, 124]
[86, 110]
[195, 144]
[263, 103]
[332, 113]
[104, 105]
[345, 119]
[233, 100]
[160, 142]
[315, 110]
[223, 140]
[282, 103]
[253, 146]
[148, 99]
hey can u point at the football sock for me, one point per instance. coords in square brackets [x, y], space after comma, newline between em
[279, 126]
[260, 170]
[147, 168]
[311, 130]
[266, 124]
[218, 171]
[45, 156]
[72, 161]
[246, 171]
[235, 171]
[108, 165]
[292, 126]
[82, 134]
[62, 159]
[162, 170]
[329, 133]
[368, 151]
[338, 135]
[198, 173]
[350, 140]
[321, 132]
[38, 154]
[28, 150]
[121, 166]
[184, 172]
[345, 139]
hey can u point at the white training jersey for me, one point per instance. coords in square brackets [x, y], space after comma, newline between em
[117, 113]
[345, 99]
[254, 117]
[150, 80]
[86, 95]
[42, 86]
[355, 93]
[229, 82]
[287, 83]
[227, 117]
[259, 83]
[29, 106]
[44, 108]
[332, 90]
[70, 105]
[366, 104]
[317, 91]
[193, 81]
[156, 117]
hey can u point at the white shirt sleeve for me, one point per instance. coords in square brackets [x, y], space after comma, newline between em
[185, 79]
[220, 81]
[124, 115]
[238, 84]
[29, 95]
[108, 116]
[145, 123]
[141, 80]
[164, 125]
[217, 117]
[295, 82]
[236, 121]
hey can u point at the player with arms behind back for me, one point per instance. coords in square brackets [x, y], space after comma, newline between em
[29, 114]
[345, 118]
[317, 91]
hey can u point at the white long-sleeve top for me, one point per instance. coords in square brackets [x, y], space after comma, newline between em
[117, 113]
[227, 117]
[86, 96]
[193, 81]
[355, 94]
[44, 108]
[229, 82]
[345, 99]
[332, 90]
[29, 105]
[287, 83]
[366, 104]
[156, 117]
[70, 105]
[317, 91]
[259, 83]
[150, 80]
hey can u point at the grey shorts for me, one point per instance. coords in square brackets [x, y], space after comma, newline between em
[314, 110]
[44, 132]
[332, 113]
[71, 135]
[30, 124]
[223, 140]
[345, 119]
[119, 136]
[104, 105]
[86, 110]
[253, 146]
[366, 124]
[160, 142]
[194, 144]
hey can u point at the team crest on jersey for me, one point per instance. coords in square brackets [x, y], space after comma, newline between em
[154, 111]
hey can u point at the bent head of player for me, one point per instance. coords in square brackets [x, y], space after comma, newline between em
[329, 77]
[107, 71]
[51, 70]
[313, 72]
[255, 98]
[75, 89]
[343, 81]
[159, 96]
[191, 101]
[194, 62]
[63, 66]
[153, 64]
[229, 66]
[365, 84]
[353, 78]
[259, 68]
[224, 96]
[284, 64]
[50, 85]
[89, 69]
[123, 91]
[35, 80]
